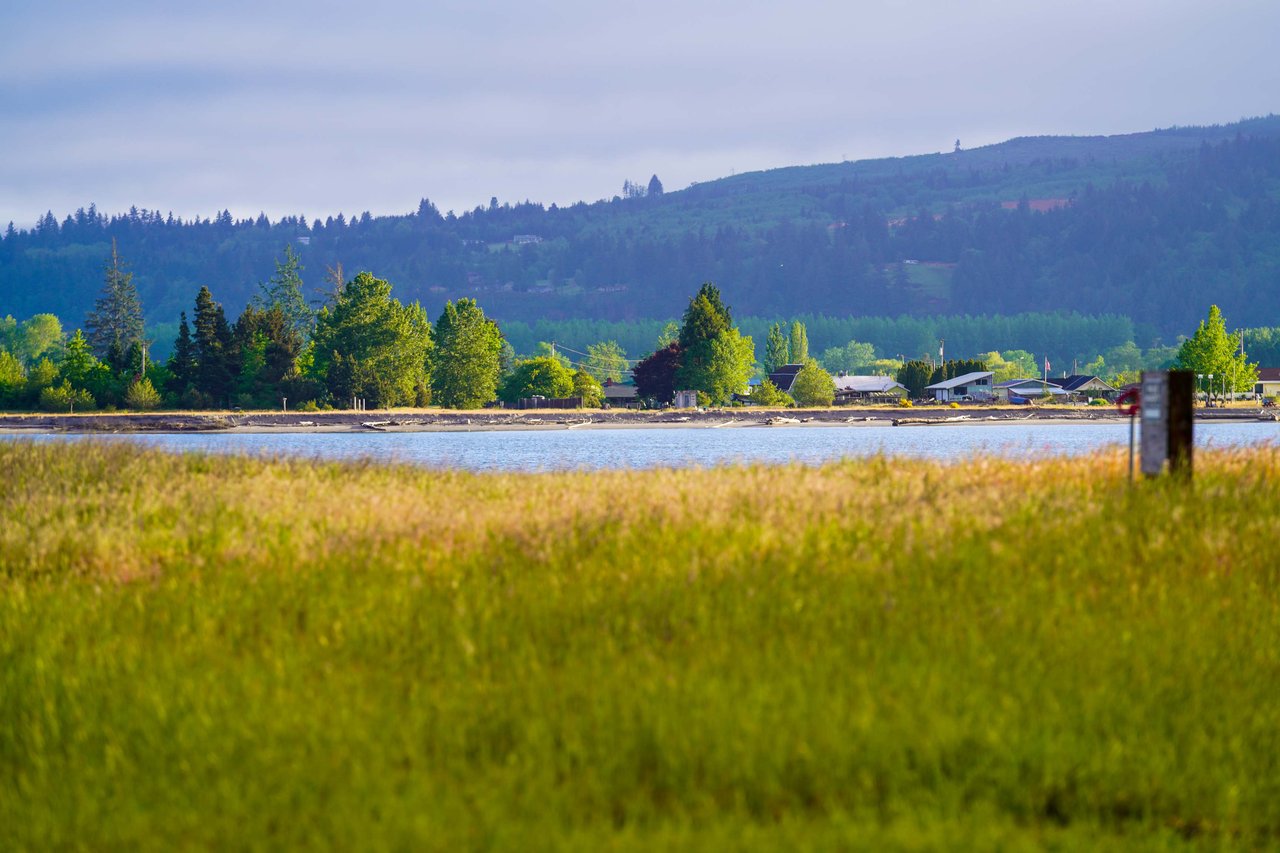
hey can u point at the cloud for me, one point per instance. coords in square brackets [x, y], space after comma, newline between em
[316, 107]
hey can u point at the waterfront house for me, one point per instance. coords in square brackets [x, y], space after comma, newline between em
[620, 394]
[969, 386]
[1268, 384]
[1016, 390]
[1085, 386]
[867, 389]
[785, 376]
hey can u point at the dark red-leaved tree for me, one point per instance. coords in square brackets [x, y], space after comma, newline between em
[656, 375]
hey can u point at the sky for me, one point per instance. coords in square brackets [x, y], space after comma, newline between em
[314, 108]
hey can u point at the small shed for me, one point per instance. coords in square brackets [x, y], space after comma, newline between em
[686, 400]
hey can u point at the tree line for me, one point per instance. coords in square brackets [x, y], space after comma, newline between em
[364, 344]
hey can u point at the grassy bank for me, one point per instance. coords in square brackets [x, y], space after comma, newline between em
[210, 651]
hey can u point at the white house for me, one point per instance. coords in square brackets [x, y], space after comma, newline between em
[970, 386]
[1268, 384]
[1028, 389]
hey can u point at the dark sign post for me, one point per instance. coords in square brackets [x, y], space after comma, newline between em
[1167, 398]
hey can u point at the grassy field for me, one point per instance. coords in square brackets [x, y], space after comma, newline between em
[224, 652]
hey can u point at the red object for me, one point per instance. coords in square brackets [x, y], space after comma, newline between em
[1130, 402]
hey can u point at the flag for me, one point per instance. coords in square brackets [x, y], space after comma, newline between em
[1046, 365]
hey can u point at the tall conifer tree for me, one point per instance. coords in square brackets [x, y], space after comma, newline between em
[115, 323]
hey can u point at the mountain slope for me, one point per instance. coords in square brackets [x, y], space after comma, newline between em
[1151, 225]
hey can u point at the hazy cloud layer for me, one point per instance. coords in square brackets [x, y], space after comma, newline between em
[318, 107]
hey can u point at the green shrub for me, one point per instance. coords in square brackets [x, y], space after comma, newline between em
[62, 398]
[142, 395]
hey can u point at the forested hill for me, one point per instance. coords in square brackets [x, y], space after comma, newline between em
[1154, 226]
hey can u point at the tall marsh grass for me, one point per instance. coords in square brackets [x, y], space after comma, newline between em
[201, 651]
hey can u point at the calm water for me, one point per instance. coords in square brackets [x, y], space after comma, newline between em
[645, 448]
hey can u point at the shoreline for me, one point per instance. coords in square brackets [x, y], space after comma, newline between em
[400, 421]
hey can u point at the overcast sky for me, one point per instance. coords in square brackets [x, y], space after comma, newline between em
[318, 107]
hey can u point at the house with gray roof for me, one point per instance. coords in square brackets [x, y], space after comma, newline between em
[1085, 386]
[969, 386]
[1022, 390]
[876, 389]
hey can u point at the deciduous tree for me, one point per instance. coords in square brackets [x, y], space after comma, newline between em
[588, 388]
[798, 343]
[606, 361]
[813, 386]
[539, 376]
[1212, 350]
[656, 375]
[468, 349]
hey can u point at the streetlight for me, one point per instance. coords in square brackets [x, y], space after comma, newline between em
[1200, 385]
[1208, 397]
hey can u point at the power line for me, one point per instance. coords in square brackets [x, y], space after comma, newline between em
[588, 355]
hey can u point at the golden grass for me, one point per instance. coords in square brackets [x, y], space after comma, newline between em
[215, 651]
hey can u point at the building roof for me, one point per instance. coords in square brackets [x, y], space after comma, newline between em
[1269, 374]
[785, 376]
[1040, 384]
[865, 384]
[1076, 381]
[966, 379]
[618, 391]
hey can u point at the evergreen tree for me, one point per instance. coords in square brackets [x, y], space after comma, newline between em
[655, 186]
[369, 345]
[467, 358]
[914, 376]
[269, 346]
[705, 319]
[215, 359]
[78, 362]
[182, 363]
[284, 291]
[116, 320]
[776, 351]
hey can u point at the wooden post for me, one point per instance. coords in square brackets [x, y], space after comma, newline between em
[1167, 400]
